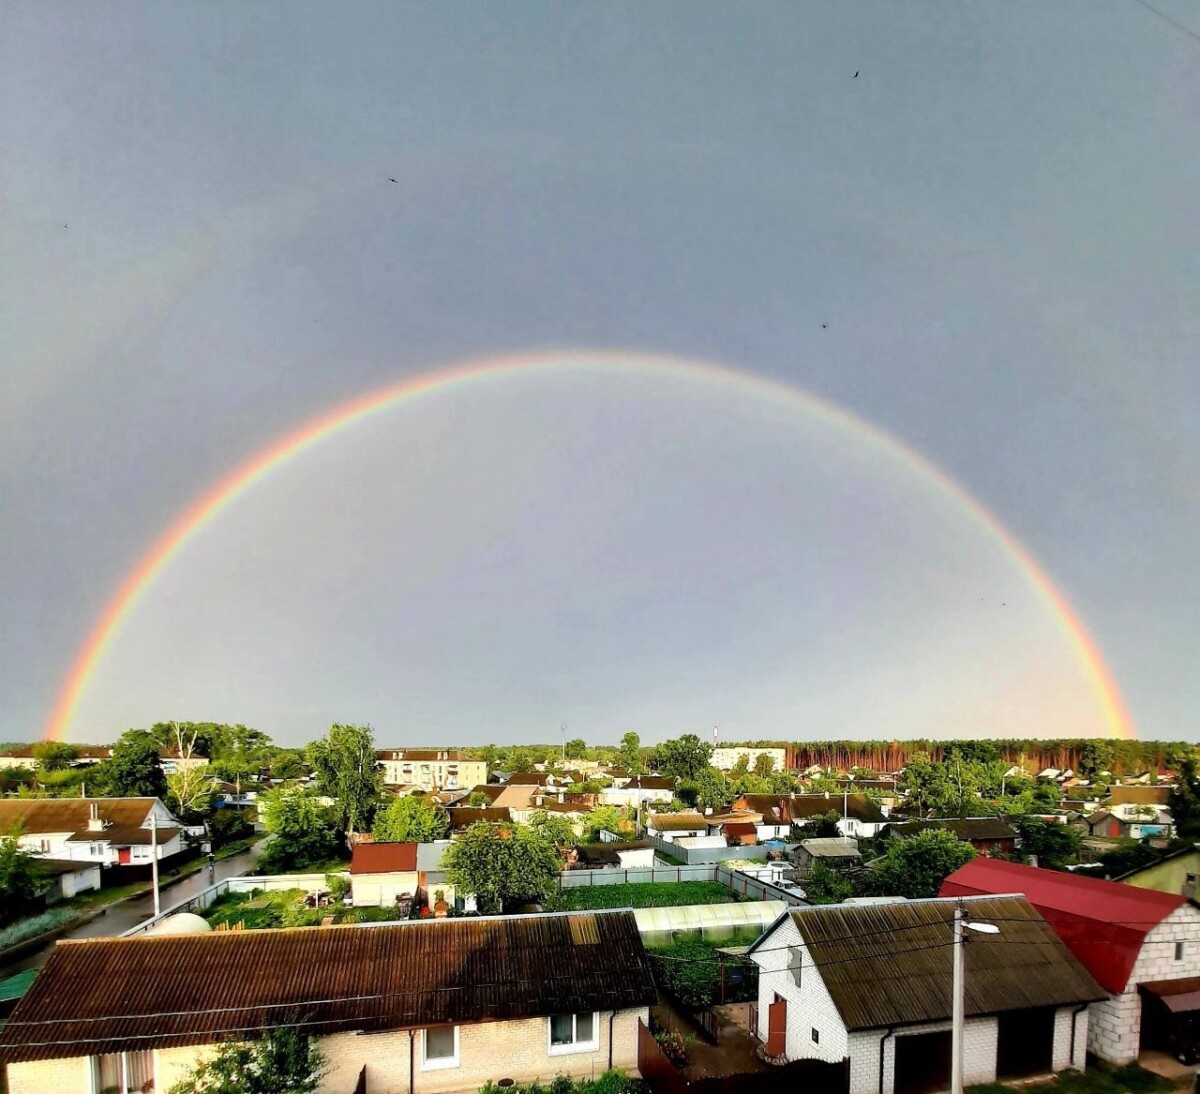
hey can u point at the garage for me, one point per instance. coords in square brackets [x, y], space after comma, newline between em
[922, 1063]
[1025, 1043]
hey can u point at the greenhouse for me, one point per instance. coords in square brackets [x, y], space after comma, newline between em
[712, 922]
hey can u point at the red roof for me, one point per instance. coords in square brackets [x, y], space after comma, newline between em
[740, 828]
[384, 858]
[1103, 923]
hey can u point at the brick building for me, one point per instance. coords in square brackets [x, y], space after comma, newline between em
[1139, 944]
[873, 984]
[434, 1006]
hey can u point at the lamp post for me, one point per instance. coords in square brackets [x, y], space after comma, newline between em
[957, 1016]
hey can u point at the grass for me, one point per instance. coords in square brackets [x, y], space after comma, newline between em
[1098, 1079]
[36, 924]
[669, 894]
[258, 910]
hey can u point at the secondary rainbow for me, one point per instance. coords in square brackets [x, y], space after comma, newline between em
[193, 520]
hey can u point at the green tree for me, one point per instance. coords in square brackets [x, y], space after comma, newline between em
[54, 755]
[630, 753]
[303, 830]
[708, 790]
[18, 883]
[1055, 845]
[504, 865]
[915, 868]
[411, 819]
[825, 885]
[133, 770]
[576, 749]
[741, 766]
[684, 757]
[1184, 800]
[477, 799]
[555, 829]
[282, 1061]
[346, 769]
[822, 827]
[608, 818]
[764, 764]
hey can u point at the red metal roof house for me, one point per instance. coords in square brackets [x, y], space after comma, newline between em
[1128, 940]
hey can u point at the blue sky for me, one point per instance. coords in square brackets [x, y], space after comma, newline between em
[985, 244]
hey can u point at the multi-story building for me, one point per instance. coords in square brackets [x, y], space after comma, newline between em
[430, 768]
[725, 757]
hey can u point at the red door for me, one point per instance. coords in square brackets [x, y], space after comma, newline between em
[777, 1026]
[123, 856]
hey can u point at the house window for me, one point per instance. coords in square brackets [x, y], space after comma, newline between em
[439, 1048]
[574, 1033]
[123, 1073]
[1178, 951]
[816, 1036]
[44, 846]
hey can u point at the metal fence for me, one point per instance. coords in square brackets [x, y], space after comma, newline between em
[635, 875]
[753, 887]
[707, 856]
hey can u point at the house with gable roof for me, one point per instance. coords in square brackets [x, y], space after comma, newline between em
[1139, 944]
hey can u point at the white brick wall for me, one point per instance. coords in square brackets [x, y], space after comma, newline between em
[1115, 1025]
[1062, 1058]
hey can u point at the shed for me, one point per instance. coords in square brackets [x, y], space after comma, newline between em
[382, 873]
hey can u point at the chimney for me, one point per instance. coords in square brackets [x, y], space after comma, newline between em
[95, 824]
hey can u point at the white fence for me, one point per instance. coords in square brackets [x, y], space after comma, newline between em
[635, 875]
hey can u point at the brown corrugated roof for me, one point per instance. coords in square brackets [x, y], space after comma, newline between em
[71, 814]
[891, 964]
[383, 858]
[1137, 795]
[677, 822]
[969, 828]
[125, 836]
[463, 816]
[109, 995]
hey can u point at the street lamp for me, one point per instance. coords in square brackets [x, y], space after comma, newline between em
[957, 1022]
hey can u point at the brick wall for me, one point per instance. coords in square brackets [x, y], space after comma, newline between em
[487, 1050]
[1115, 1025]
[1062, 1058]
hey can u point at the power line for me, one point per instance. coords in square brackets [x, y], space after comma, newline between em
[1181, 27]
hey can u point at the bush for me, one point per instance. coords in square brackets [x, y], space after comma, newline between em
[338, 885]
[691, 972]
[673, 1045]
[610, 1082]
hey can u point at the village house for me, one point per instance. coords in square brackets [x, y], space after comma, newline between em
[430, 768]
[111, 832]
[86, 756]
[739, 826]
[834, 851]
[463, 816]
[382, 874]
[640, 790]
[1131, 820]
[671, 826]
[62, 879]
[430, 1007]
[1137, 943]
[873, 984]
[626, 855]
[988, 835]
[857, 814]
[1173, 873]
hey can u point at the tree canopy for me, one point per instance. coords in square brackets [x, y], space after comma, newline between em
[133, 770]
[411, 819]
[629, 754]
[915, 868]
[303, 831]
[685, 757]
[504, 865]
[282, 1061]
[346, 769]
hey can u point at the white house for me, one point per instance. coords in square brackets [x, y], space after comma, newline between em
[429, 1006]
[106, 831]
[873, 984]
[382, 873]
[1140, 945]
[640, 790]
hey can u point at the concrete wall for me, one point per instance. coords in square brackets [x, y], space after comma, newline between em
[487, 1050]
[1115, 1025]
[1170, 876]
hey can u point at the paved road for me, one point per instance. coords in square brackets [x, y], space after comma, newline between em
[120, 917]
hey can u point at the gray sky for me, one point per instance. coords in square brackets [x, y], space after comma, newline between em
[986, 244]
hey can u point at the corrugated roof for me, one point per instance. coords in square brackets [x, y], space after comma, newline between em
[968, 828]
[71, 814]
[891, 964]
[677, 822]
[463, 816]
[1102, 922]
[108, 995]
[125, 836]
[1138, 795]
[781, 808]
[383, 858]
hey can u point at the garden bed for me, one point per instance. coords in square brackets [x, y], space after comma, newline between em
[670, 894]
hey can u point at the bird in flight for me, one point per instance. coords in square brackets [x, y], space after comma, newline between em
[391, 180]
[856, 74]
[824, 326]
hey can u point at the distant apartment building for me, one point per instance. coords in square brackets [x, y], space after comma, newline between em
[725, 758]
[430, 768]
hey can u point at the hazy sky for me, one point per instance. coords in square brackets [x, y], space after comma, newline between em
[987, 244]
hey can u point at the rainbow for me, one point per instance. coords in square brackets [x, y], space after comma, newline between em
[197, 516]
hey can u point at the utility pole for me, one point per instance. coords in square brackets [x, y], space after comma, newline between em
[959, 990]
[563, 730]
[154, 859]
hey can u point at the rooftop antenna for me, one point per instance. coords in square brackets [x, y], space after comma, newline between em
[714, 734]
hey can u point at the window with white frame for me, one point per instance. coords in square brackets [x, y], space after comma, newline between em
[439, 1047]
[123, 1073]
[574, 1032]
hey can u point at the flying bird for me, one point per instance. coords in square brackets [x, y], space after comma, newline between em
[824, 326]
[391, 180]
[856, 75]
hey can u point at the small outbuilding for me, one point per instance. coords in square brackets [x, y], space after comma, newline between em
[380, 873]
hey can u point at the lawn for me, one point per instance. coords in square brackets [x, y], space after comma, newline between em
[670, 894]
[1098, 1079]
